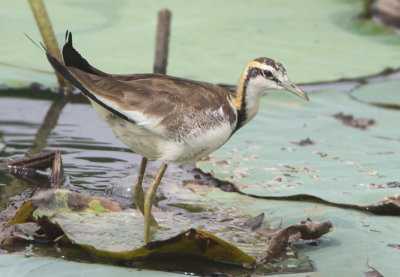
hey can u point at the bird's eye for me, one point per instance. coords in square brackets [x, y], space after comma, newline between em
[266, 73]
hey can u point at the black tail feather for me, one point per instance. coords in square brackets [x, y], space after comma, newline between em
[64, 71]
[73, 58]
[60, 68]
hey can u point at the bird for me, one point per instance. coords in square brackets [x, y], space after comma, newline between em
[167, 118]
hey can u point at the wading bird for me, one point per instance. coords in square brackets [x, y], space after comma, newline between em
[170, 119]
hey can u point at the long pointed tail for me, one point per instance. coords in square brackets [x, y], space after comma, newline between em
[73, 58]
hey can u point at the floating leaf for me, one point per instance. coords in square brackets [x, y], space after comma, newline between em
[356, 165]
[384, 94]
[357, 237]
[89, 222]
[355, 168]
[119, 236]
[22, 265]
[50, 202]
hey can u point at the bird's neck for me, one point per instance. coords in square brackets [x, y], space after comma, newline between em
[247, 98]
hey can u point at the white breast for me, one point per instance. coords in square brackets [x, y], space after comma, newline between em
[153, 141]
[195, 147]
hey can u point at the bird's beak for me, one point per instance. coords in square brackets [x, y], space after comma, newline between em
[289, 86]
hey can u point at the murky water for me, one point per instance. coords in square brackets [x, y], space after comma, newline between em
[75, 136]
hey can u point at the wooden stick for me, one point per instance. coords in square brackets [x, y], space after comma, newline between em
[40, 161]
[367, 11]
[162, 40]
[46, 30]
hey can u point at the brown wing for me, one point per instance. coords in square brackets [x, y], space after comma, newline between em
[156, 94]
[177, 103]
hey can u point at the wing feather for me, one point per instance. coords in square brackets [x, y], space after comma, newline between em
[155, 95]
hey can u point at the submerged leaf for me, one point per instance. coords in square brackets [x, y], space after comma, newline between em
[254, 222]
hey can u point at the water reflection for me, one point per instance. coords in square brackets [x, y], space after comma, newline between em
[50, 120]
[93, 158]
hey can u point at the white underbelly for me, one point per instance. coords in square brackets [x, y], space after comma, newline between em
[195, 147]
[155, 146]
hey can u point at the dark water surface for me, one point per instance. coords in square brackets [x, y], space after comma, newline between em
[93, 159]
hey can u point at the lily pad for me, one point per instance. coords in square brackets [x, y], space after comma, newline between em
[87, 221]
[118, 236]
[359, 238]
[20, 265]
[50, 202]
[306, 36]
[386, 94]
[345, 164]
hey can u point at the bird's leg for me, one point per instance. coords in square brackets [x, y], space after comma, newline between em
[148, 202]
[138, 194]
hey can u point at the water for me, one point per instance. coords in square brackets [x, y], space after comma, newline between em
[83, 140]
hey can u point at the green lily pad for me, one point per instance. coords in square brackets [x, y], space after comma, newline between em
[119, 236]
[317, 40]
[20, 265]
[385, 94]
[89, 222]
[359, 238]
[350, 156]
[50, 202]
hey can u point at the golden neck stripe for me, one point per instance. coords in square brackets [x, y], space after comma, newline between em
[238, 100]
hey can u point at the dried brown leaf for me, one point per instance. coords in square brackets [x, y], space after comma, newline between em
[350, 120]
[282, 238]
[254, 222]
[394, 245]
[305, 142]
[389, 206]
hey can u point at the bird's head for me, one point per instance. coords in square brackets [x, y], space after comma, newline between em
[263, 74]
